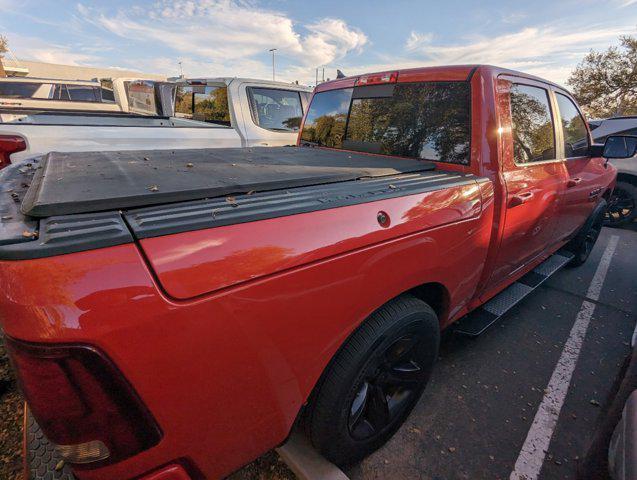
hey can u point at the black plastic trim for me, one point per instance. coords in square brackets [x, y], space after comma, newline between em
[470, 76]
[68, 234]
[373, 91]
[200, 214]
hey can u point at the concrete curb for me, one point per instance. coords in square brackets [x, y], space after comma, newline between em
[307, 463]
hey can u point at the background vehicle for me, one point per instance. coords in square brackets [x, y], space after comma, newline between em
[265, 113]
[623, 204]
[213, 113]
[47, 93]
[205, 301]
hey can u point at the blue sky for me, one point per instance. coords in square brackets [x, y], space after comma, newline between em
[232, 37]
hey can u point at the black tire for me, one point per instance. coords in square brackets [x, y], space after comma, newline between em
[622, 207]
[582, 245]
[346, 418]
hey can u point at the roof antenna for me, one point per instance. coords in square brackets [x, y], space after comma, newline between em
[339, 74]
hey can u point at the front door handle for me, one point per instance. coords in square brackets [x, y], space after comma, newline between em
[573, 182]
[520, 198]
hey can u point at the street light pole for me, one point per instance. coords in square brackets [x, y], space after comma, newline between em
[272, 50]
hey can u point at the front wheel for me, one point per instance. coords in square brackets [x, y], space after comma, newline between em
[622, 207]
[374, 381]
[582, 245]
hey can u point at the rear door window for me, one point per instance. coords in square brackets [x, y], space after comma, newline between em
[532, 125]
[203, 103]
[276, 109]
[573, 128]
[428, 120]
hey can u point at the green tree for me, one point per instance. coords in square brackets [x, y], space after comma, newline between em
[605, 83]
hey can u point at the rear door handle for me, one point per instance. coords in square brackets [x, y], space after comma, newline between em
[520, 198]
[573, 182]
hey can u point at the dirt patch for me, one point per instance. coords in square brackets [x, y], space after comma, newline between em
[11, 412]
[268, 467]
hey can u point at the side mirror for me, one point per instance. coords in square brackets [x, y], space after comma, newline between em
[620, 146]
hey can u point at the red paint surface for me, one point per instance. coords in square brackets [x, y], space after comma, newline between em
[225, 331]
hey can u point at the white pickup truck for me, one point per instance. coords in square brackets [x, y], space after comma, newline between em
[202, 113]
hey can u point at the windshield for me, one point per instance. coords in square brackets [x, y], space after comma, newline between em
[276, 109]
[430, 120]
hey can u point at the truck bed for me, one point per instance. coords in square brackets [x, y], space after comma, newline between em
[71, 183]
[78, 201]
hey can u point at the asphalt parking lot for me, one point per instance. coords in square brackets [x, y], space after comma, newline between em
[474, 418]
[475, 415]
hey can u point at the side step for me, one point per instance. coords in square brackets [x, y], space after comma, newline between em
[477, 321]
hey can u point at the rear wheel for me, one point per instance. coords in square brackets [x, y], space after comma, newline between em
[374, 381]
[622, 207]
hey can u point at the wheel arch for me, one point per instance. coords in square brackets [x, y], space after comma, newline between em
[627, 177]
[434, 294]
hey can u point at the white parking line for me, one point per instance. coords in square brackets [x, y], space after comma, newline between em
[531, 458]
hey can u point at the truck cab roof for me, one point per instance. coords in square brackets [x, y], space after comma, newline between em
[228, 80]
[440, 73]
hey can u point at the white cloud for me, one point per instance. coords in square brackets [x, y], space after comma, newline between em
[330, 39]
[37, 49]
[228, 34]
[546, 51]
[526, 44]
[416, 39]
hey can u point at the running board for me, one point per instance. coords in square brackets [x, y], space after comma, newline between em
[477, 321]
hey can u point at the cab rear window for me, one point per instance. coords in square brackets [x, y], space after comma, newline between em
[205, 103]
[18, 89]
[430, 120]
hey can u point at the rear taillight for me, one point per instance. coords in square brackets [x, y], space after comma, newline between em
[377, 78]
[10, 144]
[82, 402]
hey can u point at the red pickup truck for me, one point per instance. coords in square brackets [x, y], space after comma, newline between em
[172, 315]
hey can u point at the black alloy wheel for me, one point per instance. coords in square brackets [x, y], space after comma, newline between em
[621, 207]
[582, 245]
[392, 379]
[374, 381]
[592, 235]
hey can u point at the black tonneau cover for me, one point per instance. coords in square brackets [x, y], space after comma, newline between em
[71, 183]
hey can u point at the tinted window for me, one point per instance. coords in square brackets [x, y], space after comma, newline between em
[574, 128]
[276, 109]
[81, 93]
[203, 103]
[325, 121]
[533, 135]
[18, 89]
[108, 95]
[430, 120]
[426, 120]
